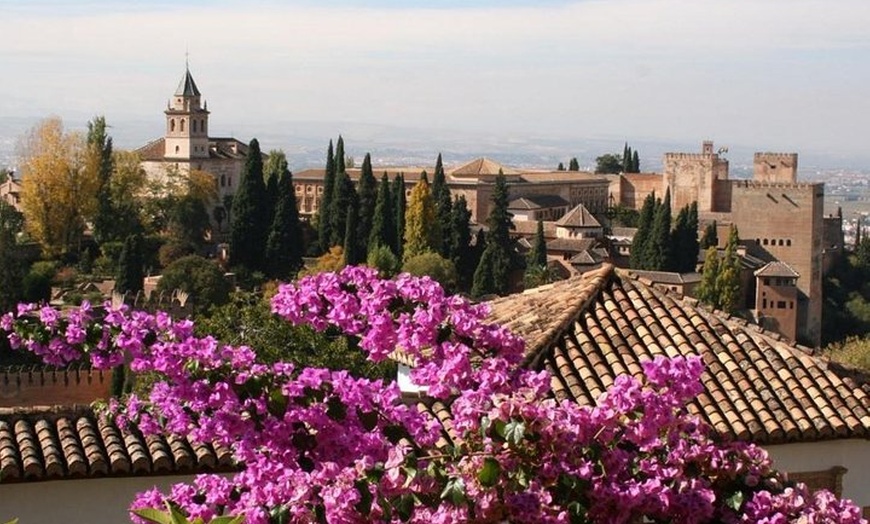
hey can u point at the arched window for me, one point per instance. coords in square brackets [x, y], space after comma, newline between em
[223, 180]
[194, 125]
[172, 125]
[182, 126]
[202, 125]
[176, 149]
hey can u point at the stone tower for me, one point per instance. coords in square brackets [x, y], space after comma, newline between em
[775, 167]
[776, 298]
[186, 122]
[699, 177]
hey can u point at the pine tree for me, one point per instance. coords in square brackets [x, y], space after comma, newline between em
[324, 225]
[249, 230]
[443, 202]
[461, 253]
[644, 231]
[494, 278]
[101, 161]
[420, 236]
[383, 231]
[574, 165]
[131, 266]
[399, 208]
[284, 246]
[368, 193]
[560, 167]
[657, 247]
[538, 254]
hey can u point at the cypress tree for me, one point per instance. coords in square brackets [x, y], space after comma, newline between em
[560, 167]
[460, 250]
[710, 236]
[574, 165]
[644, 229]
[494, 278]
[324, 225]
[342, 195]
[707, 292]
[420, 236]
[101, 160]
[692, 247]
[383, 231]
[399, 209]
[538, 254]
[626, 159]
[635, 161]
[679, 240]
[728, 277]
[443, 203]
[249, 230]
[368, 193]
[339, 156]
[131, 266]
[352, 255]
[284, 247]
[658, 248]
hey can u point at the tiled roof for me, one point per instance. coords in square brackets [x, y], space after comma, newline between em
[777, 269]
[71, 442]
[665, 277]
[587, 330]
[153, 150]
[578, 217]
[187, 87]
[530, 228]
[571, 245]
[481, 167]
[538, 202]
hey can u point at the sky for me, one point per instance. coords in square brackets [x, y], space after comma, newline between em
[780, 75]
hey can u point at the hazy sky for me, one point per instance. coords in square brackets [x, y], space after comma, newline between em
[774, 74]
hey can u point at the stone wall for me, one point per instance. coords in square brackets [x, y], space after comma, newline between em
[40, 386]
[775, 167]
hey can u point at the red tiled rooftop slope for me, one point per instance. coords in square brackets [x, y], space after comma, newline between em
[587, 330]
[71, 442]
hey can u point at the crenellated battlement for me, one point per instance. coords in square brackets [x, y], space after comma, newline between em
[31, 385]
[776, 185]
[775, 156]
[690, 156]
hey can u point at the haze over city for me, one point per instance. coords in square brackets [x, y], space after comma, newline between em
[774, 75]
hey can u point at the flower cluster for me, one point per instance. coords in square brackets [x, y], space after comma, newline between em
[323, 446]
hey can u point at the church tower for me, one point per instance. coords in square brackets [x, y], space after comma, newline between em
[186, 122]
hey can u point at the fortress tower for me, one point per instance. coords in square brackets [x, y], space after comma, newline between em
[775, 167]
[186, 122]
[695, 177]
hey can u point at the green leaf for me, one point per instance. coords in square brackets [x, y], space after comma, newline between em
[735, 501]
[154, 515]
[454, 491]
[405, 507]
[514, 432]
[489, 473]
[335, 409]
[277, 404]
[228, 519]
[368, 419]
[177, 516]
[364, 506]
[499, 426]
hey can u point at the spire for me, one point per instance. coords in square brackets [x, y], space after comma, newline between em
[187, 87]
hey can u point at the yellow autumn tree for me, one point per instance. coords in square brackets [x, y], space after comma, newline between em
[420, 234]
[58, 191]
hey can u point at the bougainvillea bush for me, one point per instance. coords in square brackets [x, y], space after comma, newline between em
[315, 445]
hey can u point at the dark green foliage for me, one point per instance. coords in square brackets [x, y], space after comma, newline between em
[131, 266]
[382, 258]
[368, 195]
[635, 162]
[343, 197]
[284, 246]
[461, 254]
[684, 239]
[100, 149]
[12, 269]
[608, 163]
[246, 319]
[710, 238]
[497, 257]
[352, 253]
[574, 165]
[399, 208]
[324, 225]
[560, 167]
[435, 266]
[626, 159]
[443, 204]
[538, 254]
[340, 156]
[621, 216]
[657, 247]
[862, 255]
[846, 292]
[720, 278]
[249, 227]
[37, 282]
[644, 232]
[189, 221]
[199, 277]
[383, 231]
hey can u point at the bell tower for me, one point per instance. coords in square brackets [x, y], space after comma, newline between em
[186, 122]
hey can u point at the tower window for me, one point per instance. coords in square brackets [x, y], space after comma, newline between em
[223, 180]
[182, 126]
[176, 149]
[788, 242]
[172, 125]
[194, 126]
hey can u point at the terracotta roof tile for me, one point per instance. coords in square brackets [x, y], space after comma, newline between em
[578, 216]
[71, 442]
[587, 330]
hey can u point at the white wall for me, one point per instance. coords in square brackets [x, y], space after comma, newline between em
[95, 501]
[852, 454]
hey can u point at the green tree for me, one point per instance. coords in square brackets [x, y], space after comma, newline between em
[344, 198]
[284, 246]
[608, 163]
[382, 258]
[560, 167]
[383, 233]
[493, 272]
[131, 266]
[433, 265]
[461, 254]
[627, 166]
[538, 254]
[420, 235]
[643, 233]
[707, 291]
[368, 194]
[862, 255]
[101, 161]
[352, 253]
[658, 245]
[12, 264]
[324, 225]
[399, 208]
[684, 239]
[199, 277]
[574, 165]
[443, 204]
[340, 158]
[728, 280]
[189, 221]
[710, 236]
[249, 230]
[635, 162]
